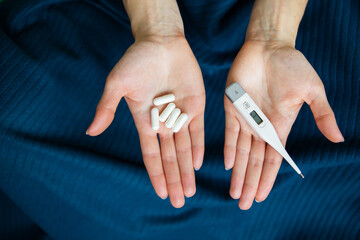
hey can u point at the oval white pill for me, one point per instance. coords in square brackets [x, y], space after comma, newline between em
[180, 122]
[172, 118]
[167, 111]
[164, 99]
[155, 119]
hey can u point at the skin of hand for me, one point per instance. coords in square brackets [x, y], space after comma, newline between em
[152, 67]
[279, 79]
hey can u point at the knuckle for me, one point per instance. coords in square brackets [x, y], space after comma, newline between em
[229, 111]
[255, 161]
[233, 128]
[274, 161]
[229, 147]
[182, 151]
[239, 176]
[242, 151]
[187, 175]
[174, 182]
[245, 131]
[266, 184]
[196, 130]
[151, 155]
[324, 116]
[106, 108]
[183, 131]
[257, 140]
[169, 159]
[250, 188]
[165, 137]
[156, 175]
[198, 148]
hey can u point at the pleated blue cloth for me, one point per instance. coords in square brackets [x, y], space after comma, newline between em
[58, 183]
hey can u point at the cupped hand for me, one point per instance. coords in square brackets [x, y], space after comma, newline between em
[151, 68]
[279, 79]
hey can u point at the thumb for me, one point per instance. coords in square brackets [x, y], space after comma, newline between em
[105, 110]
[324, 115]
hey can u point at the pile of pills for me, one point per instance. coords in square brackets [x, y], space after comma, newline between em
[171, 115]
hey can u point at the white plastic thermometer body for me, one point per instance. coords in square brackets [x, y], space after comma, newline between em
[257, 120]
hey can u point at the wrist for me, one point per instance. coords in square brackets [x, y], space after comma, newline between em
[158, 20]
[271, 37]
[157, 32]
[275, 21]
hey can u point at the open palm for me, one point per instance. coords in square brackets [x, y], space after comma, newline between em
[149, 69]
[280, 80]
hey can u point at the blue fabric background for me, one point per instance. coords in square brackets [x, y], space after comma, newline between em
[58, 183]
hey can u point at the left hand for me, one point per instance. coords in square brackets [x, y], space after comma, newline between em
[152, 67]
[279, 79]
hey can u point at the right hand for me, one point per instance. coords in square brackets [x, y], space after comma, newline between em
[279, 79]
[152, 67]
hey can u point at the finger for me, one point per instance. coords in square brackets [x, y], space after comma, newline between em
[152, 160]
[232, 128]
[184, 156]
[197, 140]
[105, 110]
[171, 169]
[271, 166]
[241, 160]
[323, 114]
[253, 172]
[272, 162]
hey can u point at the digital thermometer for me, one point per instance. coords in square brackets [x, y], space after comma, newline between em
[257, 120]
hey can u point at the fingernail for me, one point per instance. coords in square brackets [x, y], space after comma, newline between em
[258, 201]
[197, 169]
[227, 169]
[343, 140]
[86, 133]
[163, 198]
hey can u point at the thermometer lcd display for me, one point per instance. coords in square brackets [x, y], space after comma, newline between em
[256, 117]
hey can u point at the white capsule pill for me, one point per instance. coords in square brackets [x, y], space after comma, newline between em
[179, 122]
[155, 119]
[172, 118]
[164, 99]
[167, 111]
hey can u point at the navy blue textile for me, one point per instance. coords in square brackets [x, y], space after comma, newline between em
[57, 182]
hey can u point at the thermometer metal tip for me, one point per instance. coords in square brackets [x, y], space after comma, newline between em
[302, 175]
